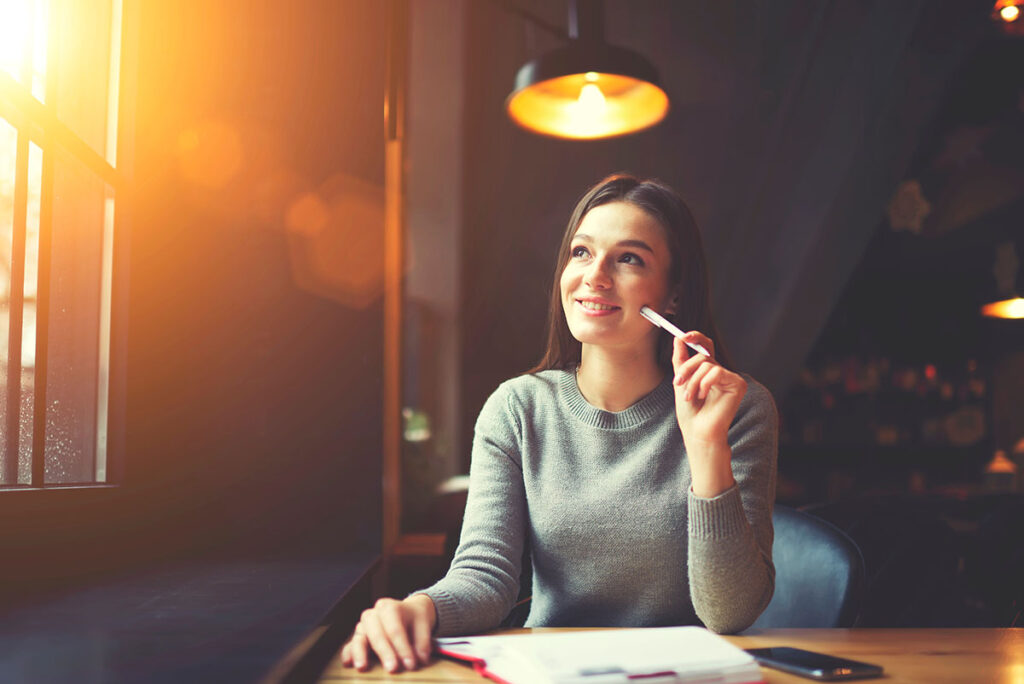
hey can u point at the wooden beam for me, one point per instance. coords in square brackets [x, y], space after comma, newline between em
[394, 266]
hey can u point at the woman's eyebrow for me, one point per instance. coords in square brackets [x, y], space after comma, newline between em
[638, 244]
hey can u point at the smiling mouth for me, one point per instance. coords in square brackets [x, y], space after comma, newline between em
[594, 306]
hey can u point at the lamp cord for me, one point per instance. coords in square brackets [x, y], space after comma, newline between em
[512, 8]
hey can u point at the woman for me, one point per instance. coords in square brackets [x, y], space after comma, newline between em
[640, 477]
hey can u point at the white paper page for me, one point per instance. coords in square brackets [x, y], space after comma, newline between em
[609, 655]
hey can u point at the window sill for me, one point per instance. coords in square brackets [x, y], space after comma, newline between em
[216, 620]
[78, 487]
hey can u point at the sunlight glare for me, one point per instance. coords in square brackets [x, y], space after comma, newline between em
[15, 23]
[23, 25]
[210, 154]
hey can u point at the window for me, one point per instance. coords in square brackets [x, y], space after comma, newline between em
[60, 75]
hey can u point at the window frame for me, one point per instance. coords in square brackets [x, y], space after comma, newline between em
[41, 126]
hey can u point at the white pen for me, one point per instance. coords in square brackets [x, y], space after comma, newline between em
[663, 323]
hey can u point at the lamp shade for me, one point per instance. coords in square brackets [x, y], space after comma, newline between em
[587, 90]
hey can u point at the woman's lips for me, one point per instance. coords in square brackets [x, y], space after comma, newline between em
[603, 311]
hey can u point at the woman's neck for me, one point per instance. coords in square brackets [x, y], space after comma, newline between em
[613, 380]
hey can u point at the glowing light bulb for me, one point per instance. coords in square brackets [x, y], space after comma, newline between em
[1009, 13]
[1008, 308]
[591, 101]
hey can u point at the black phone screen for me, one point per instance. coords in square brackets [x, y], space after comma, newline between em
[814, 665]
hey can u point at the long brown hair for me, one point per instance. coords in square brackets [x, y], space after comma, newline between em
[688, 276]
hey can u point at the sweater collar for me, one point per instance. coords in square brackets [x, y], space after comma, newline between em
[649, 406]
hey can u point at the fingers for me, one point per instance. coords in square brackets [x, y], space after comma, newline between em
[724, 380]
[694, 389]
[394, 624]
[386, 631]
[708, 376]
[355, 652]
[390, 629]
[697, 379]
[702, 385]
[421, 638]
[697, 375]
[681, 352]
[375, 634]
[700, 338]
[686, 367]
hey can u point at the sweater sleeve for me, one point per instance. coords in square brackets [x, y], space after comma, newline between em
[731, 573]
[482, 584]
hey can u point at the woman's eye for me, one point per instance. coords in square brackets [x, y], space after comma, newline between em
[630, 258]
[579, 251]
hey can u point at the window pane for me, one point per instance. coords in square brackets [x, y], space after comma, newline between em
[8, 151]
[82, 56]
[28, 325]
[23, 27]
[79, 41]
[74, 376]
[26, 364]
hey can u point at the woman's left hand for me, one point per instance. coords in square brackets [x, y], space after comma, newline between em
[707, 395]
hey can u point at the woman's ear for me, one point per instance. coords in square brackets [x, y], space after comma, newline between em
[671, 308]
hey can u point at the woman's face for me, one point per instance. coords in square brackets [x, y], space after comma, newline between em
[619, 261]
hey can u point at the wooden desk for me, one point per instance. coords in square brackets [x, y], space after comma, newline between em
[908, 655]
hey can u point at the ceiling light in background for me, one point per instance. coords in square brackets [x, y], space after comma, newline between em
[1007, 10]
[587, 89]
[1008, 308]
[1007, 14]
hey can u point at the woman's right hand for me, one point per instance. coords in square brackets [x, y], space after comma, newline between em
[398, 632]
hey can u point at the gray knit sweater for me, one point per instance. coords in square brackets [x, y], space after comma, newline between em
[602, 501]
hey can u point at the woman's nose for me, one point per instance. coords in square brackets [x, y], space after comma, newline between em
[597, 275]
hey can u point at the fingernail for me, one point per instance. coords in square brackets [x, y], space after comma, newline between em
[410, 663]
[390, 665]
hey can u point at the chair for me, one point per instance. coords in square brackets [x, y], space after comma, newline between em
[819, 574]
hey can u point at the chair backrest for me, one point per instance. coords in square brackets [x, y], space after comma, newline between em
[819, 574]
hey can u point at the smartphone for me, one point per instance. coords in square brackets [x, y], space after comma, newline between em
[813, 665]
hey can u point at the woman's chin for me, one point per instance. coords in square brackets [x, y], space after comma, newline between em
[587, 335]
[612, 338]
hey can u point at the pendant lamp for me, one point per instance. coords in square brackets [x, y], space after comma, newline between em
[587, 89]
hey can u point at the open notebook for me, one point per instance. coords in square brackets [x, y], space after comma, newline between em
[638, 656]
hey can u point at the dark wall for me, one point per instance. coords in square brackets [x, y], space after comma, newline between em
[253, 414]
